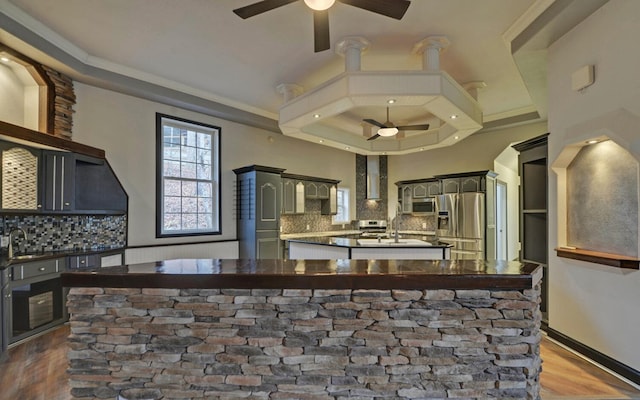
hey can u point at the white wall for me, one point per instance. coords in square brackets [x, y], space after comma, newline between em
[124, 127]
[591, 303]
[509, 175]
[11, 97]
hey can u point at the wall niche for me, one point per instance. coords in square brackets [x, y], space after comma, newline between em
[35, 96]
[598, 201]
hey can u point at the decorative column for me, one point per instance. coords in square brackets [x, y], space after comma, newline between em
[430, 48]
[289, 91]
[352, 48]
[472, 87]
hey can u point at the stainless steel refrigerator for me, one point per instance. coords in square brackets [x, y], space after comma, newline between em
[461, 222]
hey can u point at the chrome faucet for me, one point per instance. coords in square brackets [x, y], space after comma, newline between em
[10, 248]
[396, 236]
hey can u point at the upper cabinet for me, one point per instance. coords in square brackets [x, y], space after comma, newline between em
[21, 177]
[293, 196]
[299, 190]
[46, 181]
[59, 180]
[475, 181]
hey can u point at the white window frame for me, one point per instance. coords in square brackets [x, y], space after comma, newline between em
[214, 228]
[344, 204]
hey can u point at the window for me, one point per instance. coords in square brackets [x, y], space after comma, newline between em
[188, 178]
[342, 217]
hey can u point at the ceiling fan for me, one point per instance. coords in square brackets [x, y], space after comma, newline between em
[389, 129]
[390, 8]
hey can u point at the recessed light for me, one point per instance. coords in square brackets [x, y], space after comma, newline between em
[391, 101]
[321, 141]
[421, 148]
[347, 148]
[454, 116]
[592, 141]
[4, 59]
[316, 116]
[456, 137]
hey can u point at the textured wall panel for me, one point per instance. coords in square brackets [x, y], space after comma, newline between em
[19, 179]
[602, 192]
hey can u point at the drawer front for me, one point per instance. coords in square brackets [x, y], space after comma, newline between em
[87, 261]
[35, 268]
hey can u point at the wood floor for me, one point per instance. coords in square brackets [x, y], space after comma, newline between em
[35, 370]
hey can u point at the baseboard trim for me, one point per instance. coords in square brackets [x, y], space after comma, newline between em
[616, 366]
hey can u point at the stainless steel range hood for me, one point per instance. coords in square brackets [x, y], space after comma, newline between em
[373, 177]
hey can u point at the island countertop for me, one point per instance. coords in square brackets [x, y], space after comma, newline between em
[355, 242]
[311, 274]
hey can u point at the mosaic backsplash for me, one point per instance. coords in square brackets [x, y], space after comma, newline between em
[312, 217]
[67, 232]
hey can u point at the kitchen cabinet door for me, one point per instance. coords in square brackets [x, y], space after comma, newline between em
[472, 184]
[268, 245]
[59, 181]
[407, 202]
[419, 191]
[300, 198]
[433, 188]
[330, 206]
[20, 177]
[311, 190]
[268, 192]
[5, 307]
[451, 185]
[323, 191]
[288, 196]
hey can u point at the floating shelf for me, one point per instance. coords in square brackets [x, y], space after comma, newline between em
[597, 257]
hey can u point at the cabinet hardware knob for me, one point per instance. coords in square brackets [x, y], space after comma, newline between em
[82, 262]
[66, 203]
[39, 205]
[41, 269]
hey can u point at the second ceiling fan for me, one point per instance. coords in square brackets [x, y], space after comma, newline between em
[390, 8]
[389, 129]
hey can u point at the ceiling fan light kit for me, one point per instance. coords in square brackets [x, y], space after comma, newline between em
[388, 132]
[319, 5]
[389, 8]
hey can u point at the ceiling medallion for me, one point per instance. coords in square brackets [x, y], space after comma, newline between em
[430, 91]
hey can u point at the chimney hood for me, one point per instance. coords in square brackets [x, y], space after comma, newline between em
[373, 177]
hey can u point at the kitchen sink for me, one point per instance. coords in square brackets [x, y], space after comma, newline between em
[392, 242]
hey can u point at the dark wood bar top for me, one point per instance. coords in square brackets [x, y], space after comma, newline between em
[312, 274]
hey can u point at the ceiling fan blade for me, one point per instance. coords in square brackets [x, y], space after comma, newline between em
[390, 8]
[374, 122]
[260, 7]
[374, 137]
[423, 127]
[321, 30]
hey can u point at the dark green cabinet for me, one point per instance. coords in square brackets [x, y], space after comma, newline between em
[259, 204]
[59, 181]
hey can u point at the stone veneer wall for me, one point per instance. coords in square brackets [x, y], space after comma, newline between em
[303, 344]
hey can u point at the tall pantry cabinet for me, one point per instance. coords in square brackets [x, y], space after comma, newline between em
[533, 171]
[259, 202]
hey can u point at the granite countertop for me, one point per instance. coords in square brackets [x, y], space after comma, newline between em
[47, 255]
[287, 236]
[349, 242]
[312, 274]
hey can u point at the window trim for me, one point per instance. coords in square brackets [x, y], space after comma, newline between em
[217, 177]
[348, 206]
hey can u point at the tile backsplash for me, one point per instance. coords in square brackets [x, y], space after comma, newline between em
[67, 232]
[313, 219]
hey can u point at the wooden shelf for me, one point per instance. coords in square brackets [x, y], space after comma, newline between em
[597, 257]
[535, 211]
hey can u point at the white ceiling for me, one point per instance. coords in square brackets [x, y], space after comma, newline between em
[200, 47]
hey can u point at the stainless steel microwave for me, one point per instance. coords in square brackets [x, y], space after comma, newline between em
[425, 206]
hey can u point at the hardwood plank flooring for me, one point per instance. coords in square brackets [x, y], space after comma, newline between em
[36, 370]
